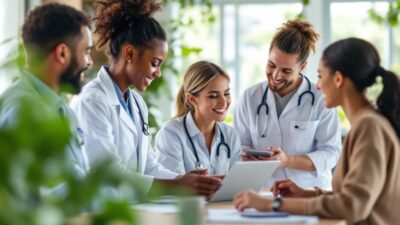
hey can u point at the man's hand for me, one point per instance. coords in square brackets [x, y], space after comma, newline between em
[279, 154]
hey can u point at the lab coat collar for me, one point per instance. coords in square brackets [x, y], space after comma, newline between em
[194, 130]
[106, 83]
[191, 125]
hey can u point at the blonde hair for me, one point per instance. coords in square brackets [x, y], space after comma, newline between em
[196, 78]
[296, 37]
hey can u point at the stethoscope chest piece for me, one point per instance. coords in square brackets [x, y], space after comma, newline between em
[199, 166]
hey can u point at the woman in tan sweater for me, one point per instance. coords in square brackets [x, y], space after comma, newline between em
[366, 183]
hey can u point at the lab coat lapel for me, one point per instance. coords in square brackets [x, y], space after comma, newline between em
[143, 140]
[107, 85]
[274, 132]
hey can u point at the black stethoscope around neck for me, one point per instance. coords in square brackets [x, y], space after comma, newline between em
[145, 126]
[199, 164]
[264, 104]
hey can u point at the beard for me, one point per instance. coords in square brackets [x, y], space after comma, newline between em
[284, 85]
[71, 81]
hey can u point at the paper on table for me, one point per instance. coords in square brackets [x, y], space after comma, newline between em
[158, 208]
[266, 193]
[233, 216]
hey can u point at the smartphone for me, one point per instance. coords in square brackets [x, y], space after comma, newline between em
[250, 152]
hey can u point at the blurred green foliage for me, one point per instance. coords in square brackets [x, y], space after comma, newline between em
[33, 159]
[391, 17]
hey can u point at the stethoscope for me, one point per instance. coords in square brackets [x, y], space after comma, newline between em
[264, 103]
[199, 165]
[145, 126]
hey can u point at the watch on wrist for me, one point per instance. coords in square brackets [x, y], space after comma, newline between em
[276, 204]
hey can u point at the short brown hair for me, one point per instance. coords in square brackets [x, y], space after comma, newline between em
[296, 37]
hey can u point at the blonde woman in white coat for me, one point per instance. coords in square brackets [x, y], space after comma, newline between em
[197, 138]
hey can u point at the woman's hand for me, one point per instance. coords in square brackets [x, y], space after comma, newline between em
[287, 188]
[203, 185]
[250, 199]
[203, 172]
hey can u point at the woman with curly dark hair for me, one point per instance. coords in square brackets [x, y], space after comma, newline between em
[113, 116]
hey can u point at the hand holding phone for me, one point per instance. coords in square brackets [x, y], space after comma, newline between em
[255, 153]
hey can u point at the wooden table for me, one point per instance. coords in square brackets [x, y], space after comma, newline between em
[154, 218]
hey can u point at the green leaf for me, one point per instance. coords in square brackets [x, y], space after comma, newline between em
[373, 14]
[186, 51]
[392, 15]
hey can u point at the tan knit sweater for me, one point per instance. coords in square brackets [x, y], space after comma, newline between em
[366, 183]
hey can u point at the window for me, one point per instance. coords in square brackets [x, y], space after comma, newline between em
[9, 28]
[348, 22]
[239, 39]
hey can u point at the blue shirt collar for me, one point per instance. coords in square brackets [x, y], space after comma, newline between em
[125, 104]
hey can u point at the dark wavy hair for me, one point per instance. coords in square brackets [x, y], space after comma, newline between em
[50, 24]
[359, 60]
[127, 21]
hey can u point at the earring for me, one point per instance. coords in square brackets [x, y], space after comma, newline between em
[129, 60]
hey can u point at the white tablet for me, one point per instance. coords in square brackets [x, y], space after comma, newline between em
[244, 175]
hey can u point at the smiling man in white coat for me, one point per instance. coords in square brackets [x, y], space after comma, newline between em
[286, 115]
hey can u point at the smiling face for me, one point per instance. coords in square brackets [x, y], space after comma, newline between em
[80, 62]
[326, 84]
[146, 66]
[283, 71]
[212, 103]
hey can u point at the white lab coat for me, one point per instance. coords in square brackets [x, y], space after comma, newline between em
[176, 152]
[110, 132]
[320, 142]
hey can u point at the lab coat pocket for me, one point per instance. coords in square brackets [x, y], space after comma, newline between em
[302, 135]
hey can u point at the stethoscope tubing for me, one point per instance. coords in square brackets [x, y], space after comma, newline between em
[264, 103]
[222, 143]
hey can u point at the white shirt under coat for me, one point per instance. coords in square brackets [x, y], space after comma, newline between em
[176, 152]
[109, 130]
[320, 141]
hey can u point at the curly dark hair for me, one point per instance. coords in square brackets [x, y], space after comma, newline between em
[127, 21]
[51, 24]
